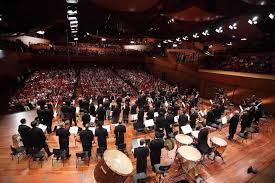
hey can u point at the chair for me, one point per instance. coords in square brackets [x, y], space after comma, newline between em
[140, 177]
[82, 157]
[59, 154]
[100, 151]
[36, 155]
[161, 170]
[122, 148]
[17, 152]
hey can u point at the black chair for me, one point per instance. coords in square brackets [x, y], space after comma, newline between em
[100, 151]
[83, 156]
[36, 155]
[140, 177]
[161, 170]
[59, 154]
[17, 152]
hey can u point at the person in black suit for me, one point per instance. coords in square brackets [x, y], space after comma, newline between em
[169, 123]
[155, 147]
[38, 138]
[23, 130]
[183, 120]
[141, 153]
[150, 113]
[116, 113]
[101, 113]
[92, 110]
[64, 112]
[119, 133]
[233, 123]
[87, 137]
[211, 120]
[160, 122]
[193, 118]
[72, 116]
[47, 118]
[125, 113]
[39, 114]
[202, 145]
[86, 118]
[139, 124]
[101, 134]
[134, 109]
[63, 134]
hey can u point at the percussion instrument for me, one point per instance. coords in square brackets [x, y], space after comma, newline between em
[169, 144]
[219, 146]
[189, 153]
[115, 166]
[183, 139]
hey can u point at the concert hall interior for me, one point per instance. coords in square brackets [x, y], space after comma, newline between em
[113, 91]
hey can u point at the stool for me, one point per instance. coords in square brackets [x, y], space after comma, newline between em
[140, 177]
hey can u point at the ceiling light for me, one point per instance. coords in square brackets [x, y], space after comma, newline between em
[205, 33]
[132, 42]
[219, 30]
[164, 41]
[159, 45]
[185, 38]
[41, 32]
[71, 12]
[72, 1]
[72, 18]
[74, 22]
[74, 31]
[103, 39]
[178, 39]
[229, 44]
[196, 35]
[253, 21]
[73, 25]
[175, 45]
[170, 41]
[271, 16]
[75, 38]
[88, 33]
[243, 39]
[233, 26]
[262, 3]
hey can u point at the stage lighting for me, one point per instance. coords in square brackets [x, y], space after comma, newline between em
[76, 39]
[196, 35]
[185, 38]
[132, 42]
[253, 21]
[243, 39]
[219, 30]
[205, 33]
[175, 45]
[159, 45]
[233, 26]
[72, 1]
[271, 16]
[41, 32]
[103, 39]
[229, 44]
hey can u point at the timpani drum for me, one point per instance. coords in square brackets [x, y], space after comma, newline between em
[115, 166]
[219, 144]
[182, 139]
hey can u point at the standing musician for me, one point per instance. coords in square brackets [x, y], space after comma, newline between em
[63, 133]
[101, 134]
[141, 153]
[193, 118]
[86, 137]
[169, 123]
[119, 133]
[125, 112]
[155, 147]
[183, 120]
[233, 123]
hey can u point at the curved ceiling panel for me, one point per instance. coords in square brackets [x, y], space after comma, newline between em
[194, 14]
[127, 5]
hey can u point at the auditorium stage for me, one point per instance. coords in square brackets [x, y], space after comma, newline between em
[258, 152]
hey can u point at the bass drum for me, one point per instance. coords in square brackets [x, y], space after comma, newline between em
[114, 167]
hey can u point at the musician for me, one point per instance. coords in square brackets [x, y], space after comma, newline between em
[155, 147]
[86, 118]
[193, 118]
[139, 124]
[119, 133]
[63, 134]
[141, 153]
[47, 116]
[116, 113]
[244, 123]
[100, 113]
[202, 145]
[64, 112]
[37, 138]
[169, 123]
[211, 120]
[72, 114]
[101, 134]
[39, 114]
[134, 108]
[183, 120]
[233, 123]
[160, 122]
[23, 130]
[86, 138]
[150, 113]
[125, 112]
[92, 110]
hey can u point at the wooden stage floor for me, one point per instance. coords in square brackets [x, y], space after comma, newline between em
[258, 152]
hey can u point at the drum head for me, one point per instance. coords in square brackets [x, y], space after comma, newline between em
[184, 139]
[218, 141]
[118, 162]
[189, 153]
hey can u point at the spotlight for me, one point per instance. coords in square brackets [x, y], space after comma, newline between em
[271, 16]
[243, 39]
[233, 26]
[185, 38]
[253, 21]
[175, 45]
[229, 44]
[196, 35]
[205, 33]
[219, 30]
[132, 42]
[41, 32]
[103, 39]
[159, 45]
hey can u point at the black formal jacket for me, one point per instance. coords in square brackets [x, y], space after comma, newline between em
[37, 138]
[63, 135]
[119, 133]
[183, 120]
[155, 150]
[150, 114]
[141, 154]
[86, 137]
[101, 134]
[233, 123]
[202, 145]
[86, 119]
[24, 133]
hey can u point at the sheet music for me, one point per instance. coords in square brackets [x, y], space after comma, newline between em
[134, 117]
[224, 120]
[92, 129]
[96, 106]
[54, 114]
[107, 127]
[149, 123]
[92, 118]
[156, 114]
[186, 129]
[73, 130]
[201, 113]
[42, 127]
